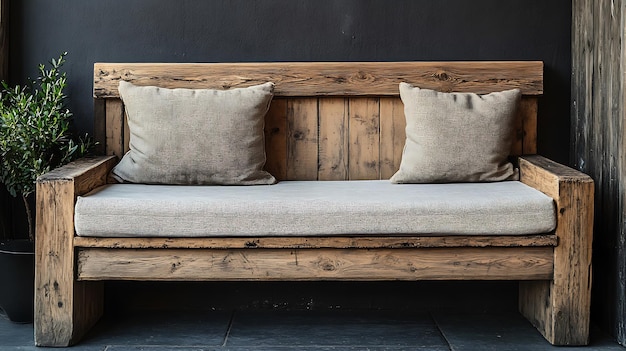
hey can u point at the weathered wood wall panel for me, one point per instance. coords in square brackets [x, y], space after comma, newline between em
[598, 113]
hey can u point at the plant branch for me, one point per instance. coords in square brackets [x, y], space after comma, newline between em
[29, 215]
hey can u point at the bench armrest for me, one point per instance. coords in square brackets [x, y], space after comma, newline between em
[548, 176]
[64, 309]
[560, 308]
[86, 173]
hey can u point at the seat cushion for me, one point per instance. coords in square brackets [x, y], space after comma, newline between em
[310, 208]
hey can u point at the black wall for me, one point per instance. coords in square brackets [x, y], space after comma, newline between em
[297, 30]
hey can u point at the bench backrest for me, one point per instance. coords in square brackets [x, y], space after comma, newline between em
[327, 121]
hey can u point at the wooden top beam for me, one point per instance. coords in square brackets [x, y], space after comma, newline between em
[327, 78]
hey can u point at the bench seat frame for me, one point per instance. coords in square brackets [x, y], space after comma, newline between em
[554, 269]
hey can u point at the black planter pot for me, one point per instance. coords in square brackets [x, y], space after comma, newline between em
[17, 279]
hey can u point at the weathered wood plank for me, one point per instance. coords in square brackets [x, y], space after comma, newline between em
[525, 135]
[545, 175]
[114, 127]
[320, 242]
[99, 125]
[333, 139]
[599, 145]
[64, 308]
[125, 133]
[302, 138]
[54, 281]
[560, 308]
[364, 148]
[526, 263]
[392, 135]
[326, 78]
[276, 129]
[86, 173]
[529, 110]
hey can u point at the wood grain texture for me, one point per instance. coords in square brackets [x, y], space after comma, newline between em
[114, 128]
[86, 173]
[528, 110]
[125, 134]
[99, 126]
[326, 78]
[64, 308]
[342, 242]
[560, 308]
[599, 145]
[392, 135]
[525, 129]
[333, 139]
[276, 130]
[302, 139]
[529, 263]
[364, 139]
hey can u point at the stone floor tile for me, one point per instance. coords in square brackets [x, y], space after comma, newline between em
[338, 348]
[333, 328]
[272, 348]
[15, 334]
[503, 332]
[160, 348]
[163, 328]
[337, 330]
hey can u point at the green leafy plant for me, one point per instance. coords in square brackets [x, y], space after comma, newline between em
[35, 132]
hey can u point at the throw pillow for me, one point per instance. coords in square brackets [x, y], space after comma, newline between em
[457, 137]
[195, 136]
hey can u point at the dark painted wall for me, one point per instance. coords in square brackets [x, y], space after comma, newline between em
[299, 30]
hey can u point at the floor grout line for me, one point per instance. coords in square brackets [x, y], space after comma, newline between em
[443, 335]
[229, 328]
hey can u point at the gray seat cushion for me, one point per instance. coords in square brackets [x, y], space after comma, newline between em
[314, 208]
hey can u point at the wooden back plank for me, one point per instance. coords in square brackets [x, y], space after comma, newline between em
[326, 78]
[328, 121]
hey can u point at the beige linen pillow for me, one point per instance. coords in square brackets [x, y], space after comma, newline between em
[195, 136]
[457, 137]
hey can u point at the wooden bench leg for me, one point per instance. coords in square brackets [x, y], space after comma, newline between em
[560, 308]
[65, 309]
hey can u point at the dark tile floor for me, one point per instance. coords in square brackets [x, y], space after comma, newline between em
[330, 330]
[309, 316]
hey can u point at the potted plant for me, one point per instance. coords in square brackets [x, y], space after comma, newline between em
[34, 138]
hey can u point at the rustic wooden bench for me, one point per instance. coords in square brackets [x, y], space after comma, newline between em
[327, 121]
